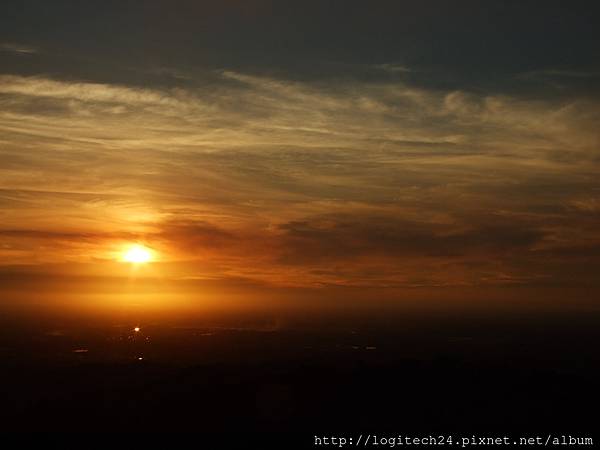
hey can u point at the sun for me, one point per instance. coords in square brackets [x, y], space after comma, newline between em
[137, 254]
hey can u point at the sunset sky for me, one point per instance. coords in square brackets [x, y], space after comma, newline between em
[303, 152]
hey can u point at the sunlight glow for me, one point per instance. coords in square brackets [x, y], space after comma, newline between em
[137, 254]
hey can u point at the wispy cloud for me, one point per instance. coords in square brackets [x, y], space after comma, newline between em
[559, 73]
[18, 48]
[300, 182]
[393, 68]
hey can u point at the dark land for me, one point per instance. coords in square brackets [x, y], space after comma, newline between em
[504, 374]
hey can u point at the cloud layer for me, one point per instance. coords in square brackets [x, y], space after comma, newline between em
[302, 183]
